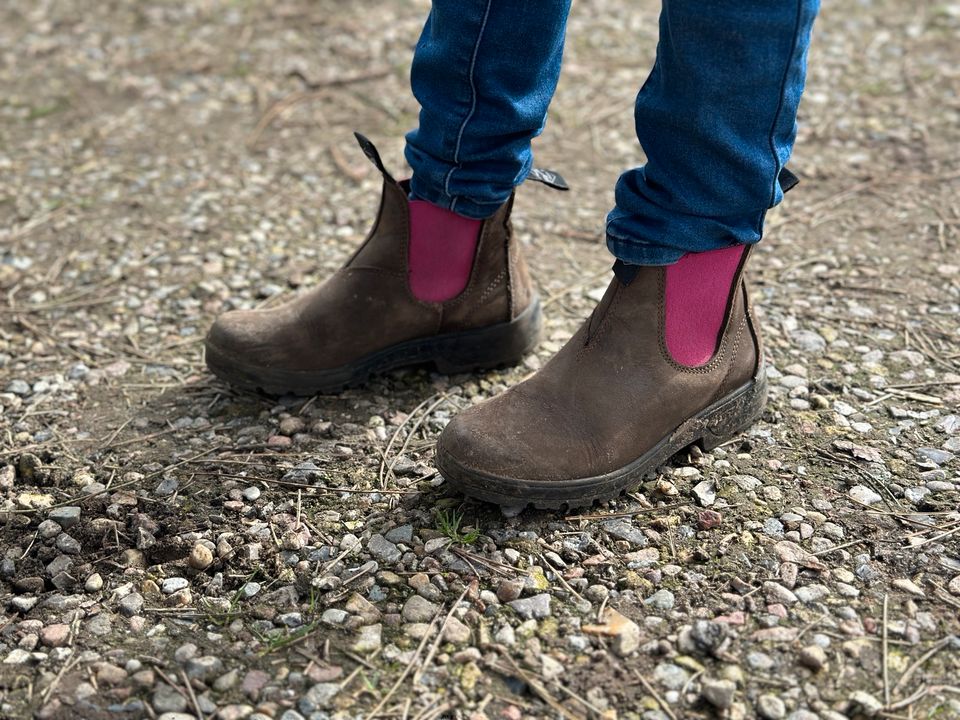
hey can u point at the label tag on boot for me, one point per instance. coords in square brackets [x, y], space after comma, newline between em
[370, 150]
[548, 178]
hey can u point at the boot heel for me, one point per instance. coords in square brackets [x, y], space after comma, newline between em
[504, 344]
[734, 414]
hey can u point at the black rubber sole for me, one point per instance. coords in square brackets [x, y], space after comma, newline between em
[709, 428]
[467, 351]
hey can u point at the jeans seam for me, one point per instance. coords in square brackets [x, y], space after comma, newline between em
[473, 104]
[778, 113]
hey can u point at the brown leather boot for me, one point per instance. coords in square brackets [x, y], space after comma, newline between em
[364, 320]
[611, 407]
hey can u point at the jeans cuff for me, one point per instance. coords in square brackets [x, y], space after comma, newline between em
[635, 253]
[456, 203]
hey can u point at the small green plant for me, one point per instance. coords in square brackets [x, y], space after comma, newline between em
[449, 521]
[38, 112]
[280, 639]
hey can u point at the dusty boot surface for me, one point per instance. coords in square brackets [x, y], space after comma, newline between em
[611, 407]
[365, 320]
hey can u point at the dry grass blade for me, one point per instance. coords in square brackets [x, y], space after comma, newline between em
[538, 688]
[918, 663]
[317, 90]
[406, 671]
[656, 696]
[886, 651]
[436, 642]
[393, 439]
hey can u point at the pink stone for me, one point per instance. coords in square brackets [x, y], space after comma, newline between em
[55, 635]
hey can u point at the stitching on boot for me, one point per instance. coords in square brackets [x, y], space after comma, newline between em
[494, 284]
[754, 325]
[511, 275]
[733, 355]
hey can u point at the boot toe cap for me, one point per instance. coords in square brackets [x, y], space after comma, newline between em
[237, 332]
[506, 440]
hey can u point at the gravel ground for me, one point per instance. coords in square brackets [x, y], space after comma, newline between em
[174, 549]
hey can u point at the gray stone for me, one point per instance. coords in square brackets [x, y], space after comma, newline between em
[456, 632]
[66, 517]
[59, 564]
[168, 486]
[672, 677]
[290, 619]
[808, 341]
[185, 652]
[760, 661]
[67, 544]
[131, 604]
[660, 600]
[866, 572]
[535, 607]
[718, 693]
[421, 583]
[318, 697]
[49, 529]
[812, 593]
[705, 492]
[935, 456]
[949, 424]
[17, 656]
[770, 707]
[550, 669]
[250, 589]
[709, 636]
[18, 387]
[369, 639]
[625, 531]
[174, 584]
[226, 681]
[435, 545]
[166, 699]
[867, 703]
[418, 609]
[773, 527]
[832, 530]
[204, 667]
[334, 616]
[863, 494]
[745, 482]
[383, 550]
[402, 534]
[23, 603]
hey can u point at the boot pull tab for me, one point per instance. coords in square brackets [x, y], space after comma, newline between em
[370, 150]
[788, 181]
[548, 178]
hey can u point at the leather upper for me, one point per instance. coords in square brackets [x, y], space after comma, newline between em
[608, 396]
[367, 305]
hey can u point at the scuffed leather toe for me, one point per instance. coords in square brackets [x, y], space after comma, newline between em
[515, 435]
[247, 334]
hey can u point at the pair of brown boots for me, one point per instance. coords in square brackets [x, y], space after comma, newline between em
[611, 407]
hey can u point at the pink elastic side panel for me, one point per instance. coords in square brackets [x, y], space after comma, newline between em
[697, 293]
[442, 247]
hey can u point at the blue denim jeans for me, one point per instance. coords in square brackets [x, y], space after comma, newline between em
[716, 117]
